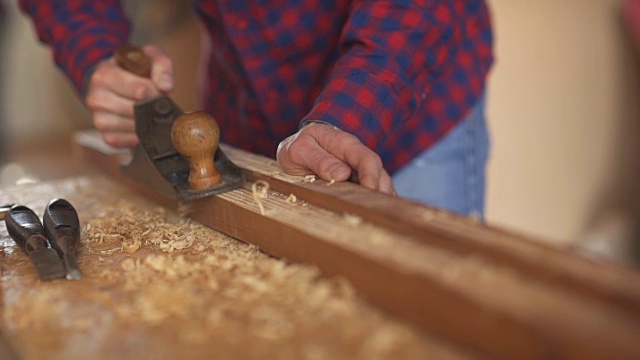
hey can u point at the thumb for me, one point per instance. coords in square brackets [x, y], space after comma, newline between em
[161, 68]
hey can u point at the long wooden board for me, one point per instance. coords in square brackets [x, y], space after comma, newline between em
[488, 290]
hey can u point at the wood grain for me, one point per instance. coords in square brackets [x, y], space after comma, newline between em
[488, 290]
[467, 236]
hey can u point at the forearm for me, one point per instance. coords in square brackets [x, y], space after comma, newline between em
[81, 33]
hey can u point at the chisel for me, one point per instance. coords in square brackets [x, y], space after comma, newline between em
[62, 226]
[4, 209]
[26, 230]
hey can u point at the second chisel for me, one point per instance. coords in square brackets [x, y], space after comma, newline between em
[62, 226]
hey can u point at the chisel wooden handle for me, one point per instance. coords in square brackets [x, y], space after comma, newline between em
[62, 228]
[25, 229]
[134, 60]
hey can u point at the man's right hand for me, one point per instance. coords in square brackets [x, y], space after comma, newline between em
[112, 92]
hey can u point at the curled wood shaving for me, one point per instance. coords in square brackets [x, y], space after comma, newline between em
[333, 181]
[292, 198]
[259, 188]
[309, 178]
[130, 246]
[352, 220]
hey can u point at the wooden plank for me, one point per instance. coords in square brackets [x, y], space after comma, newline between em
[423, 224]
[486, 289]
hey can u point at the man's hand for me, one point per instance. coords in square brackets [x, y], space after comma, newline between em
[331, 154]
[112, 92]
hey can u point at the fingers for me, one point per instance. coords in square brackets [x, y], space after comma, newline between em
[368, 167]
[302, 155]
[120, 139]
[116, 130]
[161, 69]
[113, 92]
[107, 121]
[332, 154]
[101, 99]
[366, 163]
[108, 76]
[386, 184]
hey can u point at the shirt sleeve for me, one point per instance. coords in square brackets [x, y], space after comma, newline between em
[391, 52]
[80, 32]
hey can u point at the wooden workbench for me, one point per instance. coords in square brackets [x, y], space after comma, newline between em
[400, 280]
[214, 298]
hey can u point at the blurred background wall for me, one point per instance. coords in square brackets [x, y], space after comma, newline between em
[563, 107]
[564, 113]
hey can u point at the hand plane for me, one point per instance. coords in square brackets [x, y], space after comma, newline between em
[178, 153]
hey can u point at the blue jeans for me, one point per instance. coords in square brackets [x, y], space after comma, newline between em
[451, 174]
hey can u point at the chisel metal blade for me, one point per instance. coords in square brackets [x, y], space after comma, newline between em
[27, 231]
[4, 209]
[47, 264]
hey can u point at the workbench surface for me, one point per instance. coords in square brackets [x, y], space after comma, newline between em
[157, 285]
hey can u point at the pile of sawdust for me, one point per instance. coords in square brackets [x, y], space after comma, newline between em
[159, 274]
[132, 228]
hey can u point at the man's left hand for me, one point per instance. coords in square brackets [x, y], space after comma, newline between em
[332, 154]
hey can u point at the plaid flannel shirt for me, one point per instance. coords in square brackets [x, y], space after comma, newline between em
[398, 74]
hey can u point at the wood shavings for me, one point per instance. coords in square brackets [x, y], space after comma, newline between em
[309, 178]
[352, 220]
[134, 229]
[333, 181]
[176, 243]
[292, 198]
[128, 264]
[130, 246]
[260, 188]
[210, 292]
[108, 251]
[108, 276]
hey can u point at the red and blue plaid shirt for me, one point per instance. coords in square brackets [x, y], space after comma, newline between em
[398, 74]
